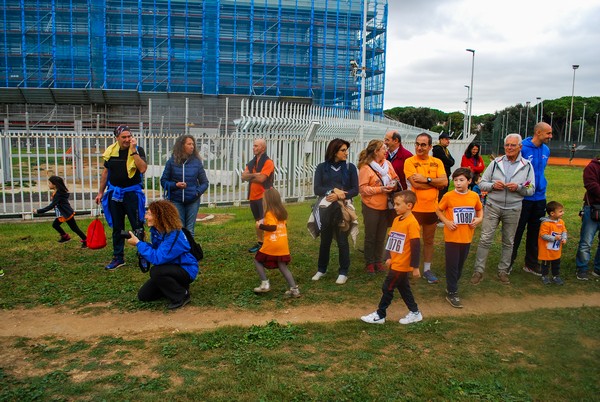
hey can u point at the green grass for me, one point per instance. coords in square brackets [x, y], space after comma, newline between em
[542, 355]
[39, 271]
[538, 355]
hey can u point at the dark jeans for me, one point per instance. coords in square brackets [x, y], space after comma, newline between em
[376, 224]
[531, 213]
[72, 224]
[327, 234]
[168, 280]
[119, 210]
[456, 255]
[554, 265]
[396, 280]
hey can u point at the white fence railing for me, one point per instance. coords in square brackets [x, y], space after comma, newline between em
[296, 136]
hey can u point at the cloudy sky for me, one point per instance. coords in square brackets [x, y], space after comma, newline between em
[523, 50]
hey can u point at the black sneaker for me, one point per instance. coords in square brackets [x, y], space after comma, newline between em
[181, 303]
[84, 244]
[114, 264]
[535, 270]
[454, 300]
[596, 274]
[255, 248]
[582, 276]
[64, 238]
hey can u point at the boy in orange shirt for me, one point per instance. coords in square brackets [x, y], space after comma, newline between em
[460, 211]
[553, 234]
[402, 257]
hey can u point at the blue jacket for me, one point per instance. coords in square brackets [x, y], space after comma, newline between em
[170, 248]
[538, 156]
[192, 172]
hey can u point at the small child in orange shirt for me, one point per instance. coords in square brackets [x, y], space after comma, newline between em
[553, 234]
[460, 211]
[275, 250]
[402, 257]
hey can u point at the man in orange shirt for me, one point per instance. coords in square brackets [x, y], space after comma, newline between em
[259, 173]
[425, 175]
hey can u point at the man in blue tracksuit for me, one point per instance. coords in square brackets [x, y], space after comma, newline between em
[534, 207]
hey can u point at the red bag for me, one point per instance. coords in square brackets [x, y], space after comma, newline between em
[96, 237]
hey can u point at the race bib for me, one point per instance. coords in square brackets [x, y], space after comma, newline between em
[395, 242]
[553, 245]
[463, 215]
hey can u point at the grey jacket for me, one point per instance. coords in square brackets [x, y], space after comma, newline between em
[505, 199]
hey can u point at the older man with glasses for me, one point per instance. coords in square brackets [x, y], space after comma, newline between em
[425, 175]
[507, 180]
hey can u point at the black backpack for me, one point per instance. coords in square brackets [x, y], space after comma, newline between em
[195, 247]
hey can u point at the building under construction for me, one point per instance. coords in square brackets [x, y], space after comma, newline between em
[107, 56]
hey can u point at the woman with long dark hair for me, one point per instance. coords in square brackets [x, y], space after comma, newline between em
[173, 266]
[184, 180]
[335, 180]
[472, 160]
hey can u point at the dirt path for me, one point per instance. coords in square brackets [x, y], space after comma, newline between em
[40, 322]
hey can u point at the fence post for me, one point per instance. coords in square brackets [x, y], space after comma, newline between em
[6, 155]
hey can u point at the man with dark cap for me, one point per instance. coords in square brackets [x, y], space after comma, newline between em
[121, 191]
[441, 152]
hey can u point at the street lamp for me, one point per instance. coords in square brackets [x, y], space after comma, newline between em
[466, 120]
[471, 90]
[575, 67]
[537, 109]
[520, 113]
[551, 116]
[567, 127]
[596, 131]
[526, 116]
[582, 122]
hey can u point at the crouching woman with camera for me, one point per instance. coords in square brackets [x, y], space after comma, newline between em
[173, 266]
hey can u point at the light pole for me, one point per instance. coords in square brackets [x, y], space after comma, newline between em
[471, 90]
[466, 123]
[520, 112]
[575, 67]
[526, 116]
[582, 122]
[537, 109]
[551, 116]
[567, 127]
[596, 131]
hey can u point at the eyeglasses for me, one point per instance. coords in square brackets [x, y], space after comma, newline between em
[421, 145]
[510, 145]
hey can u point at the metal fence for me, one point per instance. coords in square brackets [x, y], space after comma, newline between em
[297, 136]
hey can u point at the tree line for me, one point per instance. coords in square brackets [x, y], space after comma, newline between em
[492, 127]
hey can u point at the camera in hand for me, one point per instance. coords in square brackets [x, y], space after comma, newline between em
[125, 234]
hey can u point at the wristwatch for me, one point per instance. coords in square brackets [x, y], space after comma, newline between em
[428, 180]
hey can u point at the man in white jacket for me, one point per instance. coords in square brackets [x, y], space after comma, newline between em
[507, 179]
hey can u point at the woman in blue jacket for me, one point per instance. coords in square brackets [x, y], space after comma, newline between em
[173, 266]
[184, 180]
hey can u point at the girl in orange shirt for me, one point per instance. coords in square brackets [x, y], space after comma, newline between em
[275, 250]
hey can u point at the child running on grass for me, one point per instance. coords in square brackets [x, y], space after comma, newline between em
[63, 210]
[553, 234]
[460, 211]
[275, 250]
[402, 256]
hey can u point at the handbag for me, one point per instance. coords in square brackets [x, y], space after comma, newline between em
[96, 236]
[594, 210]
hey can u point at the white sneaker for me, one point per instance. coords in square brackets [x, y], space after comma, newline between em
[293, 292]
[341, 279]
[411, 318]
[318, 276]
[373, 318]
[263, 288]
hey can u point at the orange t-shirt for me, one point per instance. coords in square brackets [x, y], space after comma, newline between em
[369, 187]
[398, 242]
[257, 189]
[460, 209]
[548, 251]
[427, 199]
[275, 243]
